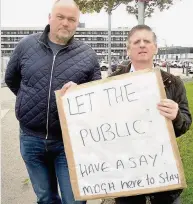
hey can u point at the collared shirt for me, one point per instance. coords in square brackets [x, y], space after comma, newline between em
[132, 68]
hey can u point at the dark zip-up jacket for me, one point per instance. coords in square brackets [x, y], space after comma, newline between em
[34, 73]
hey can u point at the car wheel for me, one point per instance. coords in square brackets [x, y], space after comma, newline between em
[103, 68]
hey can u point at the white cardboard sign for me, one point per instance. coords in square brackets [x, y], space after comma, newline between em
[116, 141]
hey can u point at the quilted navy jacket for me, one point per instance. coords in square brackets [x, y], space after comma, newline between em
[34, 73]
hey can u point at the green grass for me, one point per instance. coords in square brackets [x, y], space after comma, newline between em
[185, 144]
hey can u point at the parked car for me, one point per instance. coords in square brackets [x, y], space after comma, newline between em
[190, 68]
[174, 64]
[104, 66]
[157, 63]
[180, 64]
[163, 64]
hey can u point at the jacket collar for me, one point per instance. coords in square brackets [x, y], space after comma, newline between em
[165, 75]
[44, 37]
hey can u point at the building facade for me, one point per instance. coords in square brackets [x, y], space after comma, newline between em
[175, 54]
[95, 37]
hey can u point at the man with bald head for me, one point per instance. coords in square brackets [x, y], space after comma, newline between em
[40, 64]
[63, 21]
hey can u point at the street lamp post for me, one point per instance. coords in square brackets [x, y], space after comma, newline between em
[109, 40]
[141, 12]
[123, 45]
[166, 53]
[187, 67]
[167, 66]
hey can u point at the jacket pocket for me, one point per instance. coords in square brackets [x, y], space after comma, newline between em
[18, 104]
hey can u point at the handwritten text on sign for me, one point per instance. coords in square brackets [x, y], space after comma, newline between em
[120, 141]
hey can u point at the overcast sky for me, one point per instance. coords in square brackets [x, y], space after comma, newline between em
[173, 27]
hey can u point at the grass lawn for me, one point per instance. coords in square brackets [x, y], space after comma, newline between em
[185, 144]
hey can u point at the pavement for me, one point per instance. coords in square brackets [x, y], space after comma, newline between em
[14, 188]
[13, 171]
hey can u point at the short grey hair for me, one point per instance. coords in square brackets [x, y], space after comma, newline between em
[67, 1]
[137, 28]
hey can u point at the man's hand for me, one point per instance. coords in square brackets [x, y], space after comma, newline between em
[67, 86]
[168, 108]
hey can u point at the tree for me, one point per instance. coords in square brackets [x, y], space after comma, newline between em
[90, 6]
[149, 6]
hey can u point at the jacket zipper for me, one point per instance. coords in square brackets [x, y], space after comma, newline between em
[50, 86]
[48, 107]
[165, 79]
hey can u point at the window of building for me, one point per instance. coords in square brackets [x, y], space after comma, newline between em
[94, 39]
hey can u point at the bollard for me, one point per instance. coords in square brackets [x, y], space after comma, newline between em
[187, 68]
[168, 68]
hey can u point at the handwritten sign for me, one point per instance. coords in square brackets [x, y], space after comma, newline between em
[117, 143]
